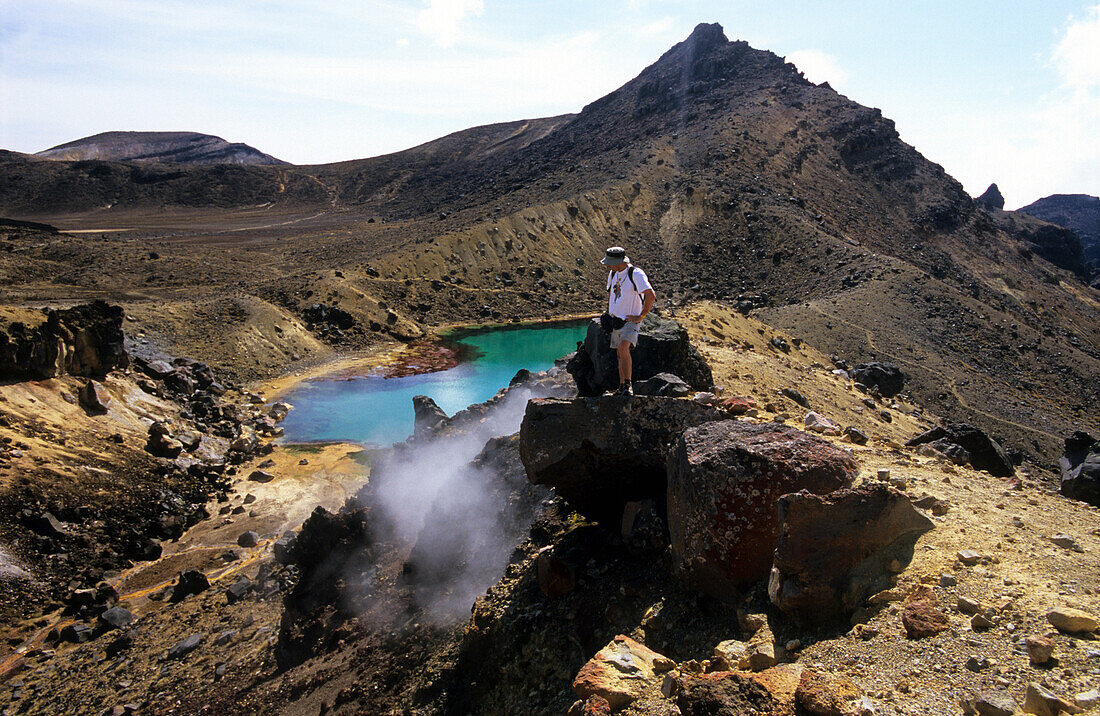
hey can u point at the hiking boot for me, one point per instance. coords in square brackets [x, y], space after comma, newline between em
[626, 388]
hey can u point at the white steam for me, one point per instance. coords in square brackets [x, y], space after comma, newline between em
[459, 520]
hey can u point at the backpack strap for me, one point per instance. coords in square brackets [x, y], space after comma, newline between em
[629, 275]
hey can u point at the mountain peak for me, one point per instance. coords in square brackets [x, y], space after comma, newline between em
[169, 147]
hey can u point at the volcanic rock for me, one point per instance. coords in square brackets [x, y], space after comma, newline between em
[191, 581]
[724, 693]
[184, 647]
[1041, 701]
[662, 384]
[723, 484]
[1072, 620]
[85, 340]
[663, 347]
[94, 398]
[984, 452]
[427, 416]
[620, 672]
[600, 453]
[834, 549]
[1080, 466]
[887, 377]
[991, 198]
[115, 618]
[922, 619]
[248, 539]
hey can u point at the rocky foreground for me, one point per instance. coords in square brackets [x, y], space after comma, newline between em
[801, 539]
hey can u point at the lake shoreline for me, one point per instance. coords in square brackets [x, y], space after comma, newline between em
[396, 356]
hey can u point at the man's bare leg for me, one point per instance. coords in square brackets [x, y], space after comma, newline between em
[625, 361]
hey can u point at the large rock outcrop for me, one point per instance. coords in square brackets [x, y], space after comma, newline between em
[84, 340]
[600, 453]
[835, 550]
[724, 480]
[991, 198]
[663, 347]
[967, 444]
[1080, 467]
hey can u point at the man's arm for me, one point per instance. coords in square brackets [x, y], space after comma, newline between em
[649, 297]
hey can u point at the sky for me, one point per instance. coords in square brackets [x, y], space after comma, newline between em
[998, 91]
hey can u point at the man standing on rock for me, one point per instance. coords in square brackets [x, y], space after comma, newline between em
[629, 298]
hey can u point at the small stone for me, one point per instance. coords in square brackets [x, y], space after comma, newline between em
[248, 539]
[968, 605]
[898, 482]
[249, 499]
[1043, 702]
[668, 686]
[115, 618]
[225, 637]
[921, 619]
[884, 474]
[1072, 620]
[1088, 699]
[1039, 649]
[995, 703]
[1066, 542]
[303, 461]
[968, 557]
[261, 476]
[729, 653]
[977, 664]
[184, 647]
[948, 580]
[979, 622]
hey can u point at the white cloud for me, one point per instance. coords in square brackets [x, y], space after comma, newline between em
[442, 18]
[819, 67]
[1077, 55]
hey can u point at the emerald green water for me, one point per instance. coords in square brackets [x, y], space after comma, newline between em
[378, 411]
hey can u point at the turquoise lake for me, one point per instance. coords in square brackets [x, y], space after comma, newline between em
[378, 411]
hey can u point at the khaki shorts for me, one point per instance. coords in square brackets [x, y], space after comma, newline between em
[628, 333]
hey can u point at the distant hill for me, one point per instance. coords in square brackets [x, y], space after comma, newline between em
[6, 155]
[1079, 212]
[163, 147]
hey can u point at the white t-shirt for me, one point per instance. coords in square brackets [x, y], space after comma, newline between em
[622, 298]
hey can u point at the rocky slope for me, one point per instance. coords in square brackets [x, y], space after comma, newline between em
[1079, 212]
[158, 147]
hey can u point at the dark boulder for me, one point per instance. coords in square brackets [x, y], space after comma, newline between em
[184, 647]
[835, 550]
[600, 453]
[320, 603]
[663, 347]
[662, 384]
[887, 377]
[991, 198]
[115, 618]
[724, 693]
[1080, 467]
[191, 582]
[427, 416]
[984, 452]
[85, 340]
[238, 590]
[724, 480]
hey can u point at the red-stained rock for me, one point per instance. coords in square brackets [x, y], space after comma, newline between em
[737, 405]
[555, 576]
[594, 705]
[922, 619]
[834, 550]
[822, 696]
[620, 672]
[724, 480]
